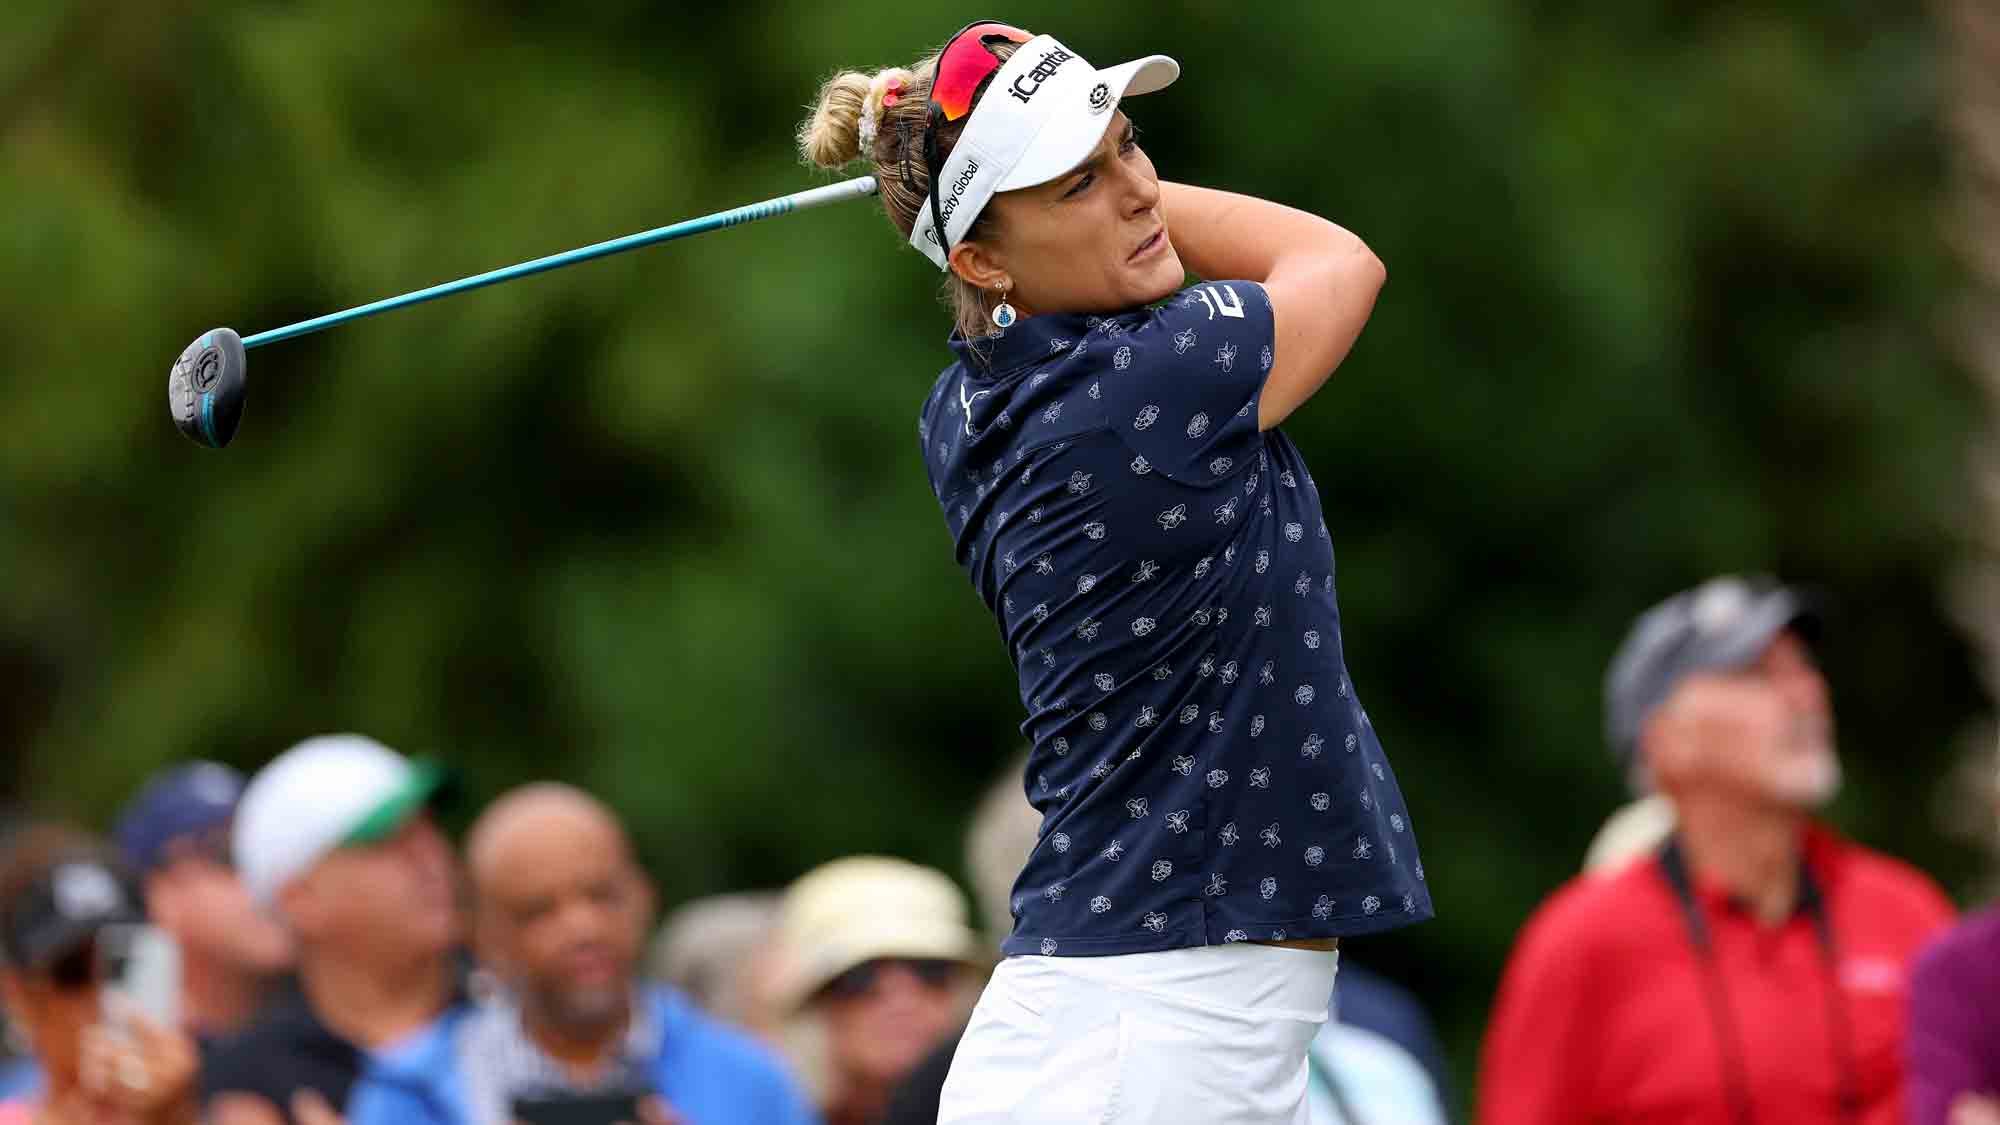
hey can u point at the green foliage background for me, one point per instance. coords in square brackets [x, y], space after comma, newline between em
[1665, 284]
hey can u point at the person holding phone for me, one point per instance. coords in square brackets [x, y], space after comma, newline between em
[571, 1037]
[104, 1060]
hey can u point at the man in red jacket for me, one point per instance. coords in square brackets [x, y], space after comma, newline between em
[1752, 971]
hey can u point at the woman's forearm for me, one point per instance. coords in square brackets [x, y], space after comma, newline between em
[1223, 234]
[1321, 281]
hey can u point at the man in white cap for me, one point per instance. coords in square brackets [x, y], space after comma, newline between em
[335, 837]
[876, 965]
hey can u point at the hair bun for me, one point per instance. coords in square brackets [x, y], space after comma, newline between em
[831, 137]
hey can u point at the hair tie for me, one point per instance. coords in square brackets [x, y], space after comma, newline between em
[886, 89]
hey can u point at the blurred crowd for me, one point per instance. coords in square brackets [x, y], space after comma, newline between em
[307, 945]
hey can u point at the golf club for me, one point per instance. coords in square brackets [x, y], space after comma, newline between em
[206, 385]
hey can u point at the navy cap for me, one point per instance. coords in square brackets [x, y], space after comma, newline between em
[68, 903]
[175, 803]
[1724, 623]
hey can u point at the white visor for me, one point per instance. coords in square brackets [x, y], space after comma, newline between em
[1042, 114]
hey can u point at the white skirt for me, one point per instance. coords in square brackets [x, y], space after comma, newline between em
[1210, 1035]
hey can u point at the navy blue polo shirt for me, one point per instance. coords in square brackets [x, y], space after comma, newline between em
[1164, 580]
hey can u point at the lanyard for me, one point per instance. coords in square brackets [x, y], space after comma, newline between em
[1735, 1069]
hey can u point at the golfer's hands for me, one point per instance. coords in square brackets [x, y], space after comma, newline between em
[138, 1073]
[1975, 1109]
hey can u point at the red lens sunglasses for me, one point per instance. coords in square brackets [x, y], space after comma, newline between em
[966, 61]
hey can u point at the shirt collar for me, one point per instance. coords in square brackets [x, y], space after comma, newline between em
[524, 1065]
[1030, 341]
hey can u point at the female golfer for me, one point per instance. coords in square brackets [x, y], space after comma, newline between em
[1216, 808]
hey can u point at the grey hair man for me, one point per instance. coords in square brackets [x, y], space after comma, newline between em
[1751, 916]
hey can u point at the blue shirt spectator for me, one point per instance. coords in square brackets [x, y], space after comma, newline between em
[464, 1069]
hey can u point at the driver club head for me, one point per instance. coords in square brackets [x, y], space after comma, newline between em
[205, 388]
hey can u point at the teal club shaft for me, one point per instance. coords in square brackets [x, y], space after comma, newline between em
[750, 213]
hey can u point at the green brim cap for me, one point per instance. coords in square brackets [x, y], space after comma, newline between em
[427, 781]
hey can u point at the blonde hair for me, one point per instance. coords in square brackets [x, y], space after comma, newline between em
[831, 138]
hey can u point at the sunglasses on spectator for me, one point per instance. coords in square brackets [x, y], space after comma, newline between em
[932, 972]
[75, 969]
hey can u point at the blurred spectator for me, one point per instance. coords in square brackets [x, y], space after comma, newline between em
[335, 836]
[59, 890]
[997, 845]
[877, 968]
[175, 834]
[717, 951]
[1954, 1045]
[1755, 967]
[561, 916]
[1377, 1060]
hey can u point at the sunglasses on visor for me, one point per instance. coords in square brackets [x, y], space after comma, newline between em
[966, 62]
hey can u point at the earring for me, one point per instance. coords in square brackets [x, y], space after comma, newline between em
[1003, 315]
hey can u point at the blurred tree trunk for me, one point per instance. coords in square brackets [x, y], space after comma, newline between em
[1971, 35]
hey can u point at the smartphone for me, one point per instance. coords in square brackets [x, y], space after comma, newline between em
[139, 970]
[580, 1109]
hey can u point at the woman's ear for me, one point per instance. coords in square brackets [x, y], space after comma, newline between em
[978, 266]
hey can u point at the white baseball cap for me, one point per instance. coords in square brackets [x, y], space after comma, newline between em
[324, 793]
[1042, 115]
